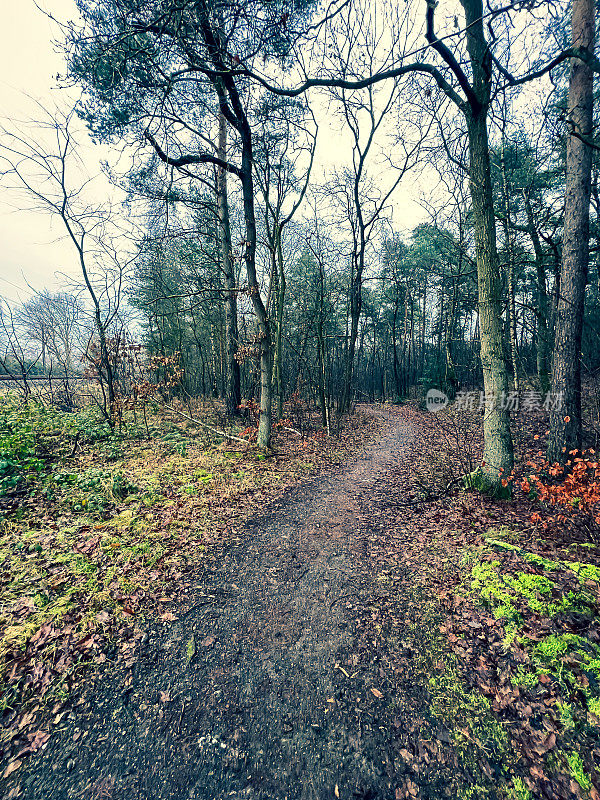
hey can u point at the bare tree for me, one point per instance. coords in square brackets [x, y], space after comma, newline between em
[18, 358]
[284, 160]
[47, 175]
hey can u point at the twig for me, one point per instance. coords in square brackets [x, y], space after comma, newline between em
[342, 597]
[430, 498]
[75, 444]
[205, 425]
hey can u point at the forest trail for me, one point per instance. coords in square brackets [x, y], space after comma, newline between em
[268, 683]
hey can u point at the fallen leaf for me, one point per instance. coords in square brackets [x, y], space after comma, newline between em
[377, 693]
[38, 739]
[12, 767]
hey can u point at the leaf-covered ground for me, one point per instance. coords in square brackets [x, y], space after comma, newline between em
[377, 633]
[104, 534]
[514, 627]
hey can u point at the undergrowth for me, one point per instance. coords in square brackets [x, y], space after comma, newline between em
[98, 530]
[549, 612]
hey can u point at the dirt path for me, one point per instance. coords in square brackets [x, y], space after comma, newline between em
[263, 687]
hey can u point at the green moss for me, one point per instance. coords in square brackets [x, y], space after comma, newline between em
[532, 558]
[578, 772]
[525, 678]
[190, 650]
[553, 647]
[468, 716]
[503, 592]
[518, 790]
[594, 706]
[573, 662]
[584, 571]
[565, 711]
[479, 481]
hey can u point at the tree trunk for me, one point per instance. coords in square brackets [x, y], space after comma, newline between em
[423, 322]
[355, 309]
[565, 417]
[260, 312]
[510, 276]
[321, 352]
[498, 449]
[542, 339]
[233, 395]
[395, 346]
[281, 287]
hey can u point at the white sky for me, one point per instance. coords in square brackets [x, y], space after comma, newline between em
[32, 250]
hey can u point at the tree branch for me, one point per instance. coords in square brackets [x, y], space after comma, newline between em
[447, 55]
[193, 158]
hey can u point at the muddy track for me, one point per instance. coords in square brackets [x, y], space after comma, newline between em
[246, 694]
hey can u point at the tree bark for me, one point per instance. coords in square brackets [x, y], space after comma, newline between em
[510, 275]
[280, 299]
[355, 309]
[498, 447]
[565, 417]
[233, 395]
[498, 450]
[542, 339]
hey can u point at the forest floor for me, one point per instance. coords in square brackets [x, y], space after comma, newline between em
[356, 637]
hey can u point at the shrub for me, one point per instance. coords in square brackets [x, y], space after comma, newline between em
[572, 489]
[18, 445]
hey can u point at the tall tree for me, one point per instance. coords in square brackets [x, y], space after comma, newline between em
[162, 73]
[565, 417]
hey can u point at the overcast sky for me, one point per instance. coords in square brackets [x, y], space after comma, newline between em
[28, 65]
[33, 250]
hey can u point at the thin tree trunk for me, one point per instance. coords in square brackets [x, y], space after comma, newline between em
[498, 447]
[395, 346]
[542, 339]
[510, 276]
[423, 320]
[321, 353]
[355, 309]
[233, 395]
[281, 287]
